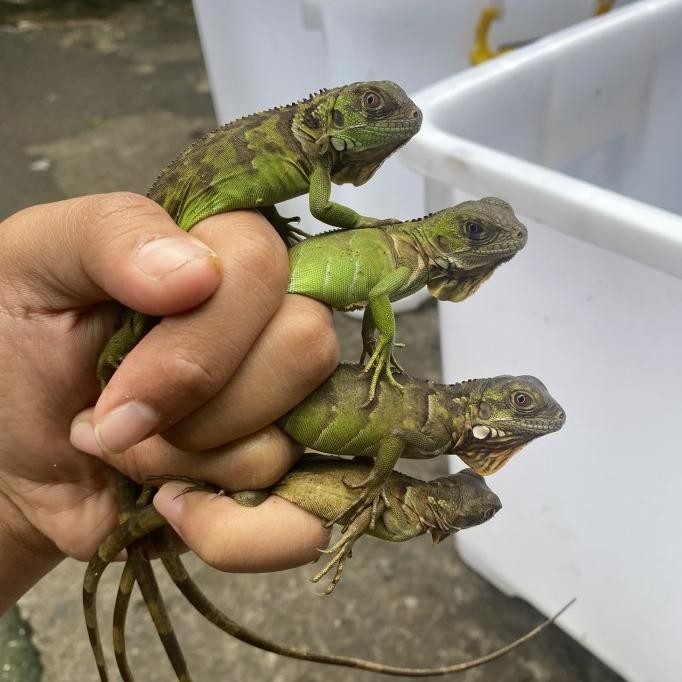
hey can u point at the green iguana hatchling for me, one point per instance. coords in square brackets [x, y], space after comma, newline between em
[452, 252]
[483, 421]
[440, 507]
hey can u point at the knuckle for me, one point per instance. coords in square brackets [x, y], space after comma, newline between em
[187, 375]
[103, 206]
[275, 452]
[253, 244]
[118, 213]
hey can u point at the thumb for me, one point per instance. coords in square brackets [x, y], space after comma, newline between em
[119, 246]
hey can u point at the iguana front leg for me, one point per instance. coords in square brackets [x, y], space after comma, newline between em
[373, 495]
[372, 486]
[329, 211]
[379, 314]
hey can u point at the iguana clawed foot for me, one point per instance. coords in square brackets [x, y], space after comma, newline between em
[286, 227]
[295, 235]
[383, 362]
[369, 501]
[194, 484]
[342, 549]
[368, 351]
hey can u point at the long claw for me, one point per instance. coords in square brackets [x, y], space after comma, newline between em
[374, 358]
[337, 575]
[296, 233]
[338, 560]
[382, 361]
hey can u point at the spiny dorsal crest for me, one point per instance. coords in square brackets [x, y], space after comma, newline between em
[225, 126]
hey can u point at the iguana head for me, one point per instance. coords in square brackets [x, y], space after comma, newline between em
[452, 503]
[465, 243]
[357, 126]
[504, 414]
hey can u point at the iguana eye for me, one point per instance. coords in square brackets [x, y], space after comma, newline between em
[522, 400]
[473, 230]
[371, 100]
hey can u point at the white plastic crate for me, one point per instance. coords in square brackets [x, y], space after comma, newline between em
[268, 52]
[582, 134]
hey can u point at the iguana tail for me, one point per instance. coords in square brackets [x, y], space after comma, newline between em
[196, 597]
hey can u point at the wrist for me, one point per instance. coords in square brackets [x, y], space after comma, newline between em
[26, 555]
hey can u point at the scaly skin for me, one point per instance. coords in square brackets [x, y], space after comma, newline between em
[452, 252]
[482, 421]
[340, 135]
[336, 136]
[318, 484]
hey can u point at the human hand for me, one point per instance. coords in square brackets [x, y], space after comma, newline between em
[231, 355]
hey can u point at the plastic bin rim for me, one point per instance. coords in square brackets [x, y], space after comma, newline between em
[639, 231]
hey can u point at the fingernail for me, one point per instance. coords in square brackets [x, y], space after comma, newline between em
[124, 426]
[162, 256]
[82, 437]
[170, 503]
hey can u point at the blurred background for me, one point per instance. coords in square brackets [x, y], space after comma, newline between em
[97, 95]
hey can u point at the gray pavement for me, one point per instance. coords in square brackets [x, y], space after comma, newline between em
[98, 97]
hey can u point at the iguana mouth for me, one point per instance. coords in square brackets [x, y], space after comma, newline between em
[401, 124]
[508, 248]
[481, 432]
[482, 258]
[519, 429]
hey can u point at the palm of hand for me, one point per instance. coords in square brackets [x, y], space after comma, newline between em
[47, 360]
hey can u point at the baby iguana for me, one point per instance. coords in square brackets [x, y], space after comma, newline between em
[340, 135]
[482, 421]
[441, 507]
[452, 252]
[325, 486]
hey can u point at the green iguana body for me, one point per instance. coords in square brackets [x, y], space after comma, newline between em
[483, 421]
[318, 484]
[452, 252]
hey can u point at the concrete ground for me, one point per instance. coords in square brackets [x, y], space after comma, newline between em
[98, 96]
